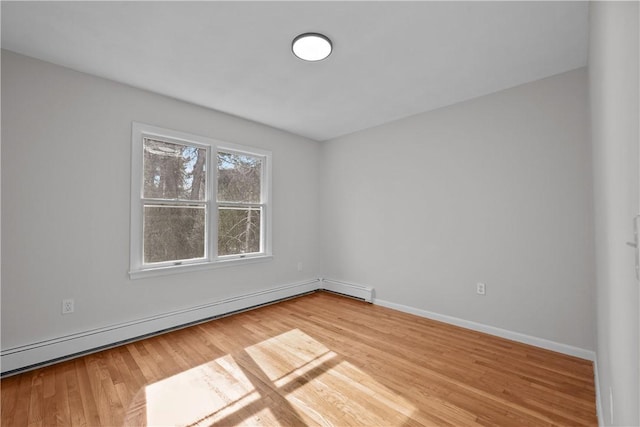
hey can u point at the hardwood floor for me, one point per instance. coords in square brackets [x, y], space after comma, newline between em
[320, 359]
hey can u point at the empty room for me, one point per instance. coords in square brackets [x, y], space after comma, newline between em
[360, 213]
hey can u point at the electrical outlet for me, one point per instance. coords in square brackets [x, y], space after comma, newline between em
[299, 266]
[67, 306]
[480, 288]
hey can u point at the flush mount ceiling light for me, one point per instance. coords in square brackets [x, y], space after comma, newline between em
[311, 46]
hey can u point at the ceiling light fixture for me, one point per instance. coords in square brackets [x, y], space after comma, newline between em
[311, 46]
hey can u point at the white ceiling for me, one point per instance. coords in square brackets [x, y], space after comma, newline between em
[390, 59]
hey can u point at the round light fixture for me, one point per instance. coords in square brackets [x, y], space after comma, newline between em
[311, 46]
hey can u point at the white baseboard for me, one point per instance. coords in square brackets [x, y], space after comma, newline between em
[53, 350]
[596, 380]
[492, 330]
[351, 289]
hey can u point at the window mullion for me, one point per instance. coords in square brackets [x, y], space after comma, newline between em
[212, 193]
[240, 205]
[173, 202]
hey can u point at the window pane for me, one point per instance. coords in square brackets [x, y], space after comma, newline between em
[174, 171]
[238, 230]
[239, 178]
[173, 233]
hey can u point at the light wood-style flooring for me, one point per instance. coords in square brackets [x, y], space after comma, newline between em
[320, 359]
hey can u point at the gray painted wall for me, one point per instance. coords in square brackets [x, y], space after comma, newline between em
[613, 78]
[66, 159]
[494, 190]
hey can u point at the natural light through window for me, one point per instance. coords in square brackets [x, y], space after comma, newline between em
[283, 354]
[208, 392]
[291, 378]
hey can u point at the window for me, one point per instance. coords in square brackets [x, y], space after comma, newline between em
[239, 203]
[196, 202]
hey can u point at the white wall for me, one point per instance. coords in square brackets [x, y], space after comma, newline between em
[66, 159]
[613, 78]
[494, 190]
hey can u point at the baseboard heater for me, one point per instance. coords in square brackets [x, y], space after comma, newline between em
[364, 293]
[47, 352]
[37, 355]
[142, 337]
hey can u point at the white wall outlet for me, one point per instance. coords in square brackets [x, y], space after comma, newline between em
[68, 306]
[299, 265]
[480, 288]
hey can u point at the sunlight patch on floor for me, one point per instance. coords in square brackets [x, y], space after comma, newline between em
[323, 389]
[281, 355]
[288, 379]
[213, 390]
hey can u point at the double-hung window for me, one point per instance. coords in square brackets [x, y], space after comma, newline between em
[196, 202]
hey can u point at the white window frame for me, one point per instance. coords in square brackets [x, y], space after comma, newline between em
[211, 259]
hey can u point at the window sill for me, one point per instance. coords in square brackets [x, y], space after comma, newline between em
[208, 265]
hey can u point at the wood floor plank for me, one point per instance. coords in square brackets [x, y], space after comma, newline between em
[10, 397]
[68, 396]
[36, 401]
[320, 359]
[88, 395]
